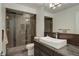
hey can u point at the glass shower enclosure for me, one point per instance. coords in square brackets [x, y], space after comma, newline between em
[20, 28]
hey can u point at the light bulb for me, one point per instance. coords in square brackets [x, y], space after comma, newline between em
[58, 5]
[54, 7]
[50, 5]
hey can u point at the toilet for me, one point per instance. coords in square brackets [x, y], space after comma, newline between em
[30, 48]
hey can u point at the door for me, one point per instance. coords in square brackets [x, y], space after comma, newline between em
[48, 24]
[10, 29]
[20, 30]
[16, 28]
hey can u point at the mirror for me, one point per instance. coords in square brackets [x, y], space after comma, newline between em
[67, 20]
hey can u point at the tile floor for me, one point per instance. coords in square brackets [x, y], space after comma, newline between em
[17, 51]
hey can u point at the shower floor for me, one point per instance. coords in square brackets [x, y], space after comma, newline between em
[17, 51]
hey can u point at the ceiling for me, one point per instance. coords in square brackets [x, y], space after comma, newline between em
[46, 6]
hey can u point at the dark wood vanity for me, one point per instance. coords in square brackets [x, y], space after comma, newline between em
[72, 49]
[41, 50]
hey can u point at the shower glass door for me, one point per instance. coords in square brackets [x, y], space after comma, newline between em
[21, 29]
[16, 30]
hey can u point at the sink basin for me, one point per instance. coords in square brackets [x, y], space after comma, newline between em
[53, 42]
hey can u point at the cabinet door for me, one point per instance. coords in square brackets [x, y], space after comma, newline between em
[43, 50]
[39, 52]
[36, 52]
[43, 53]
[57, 54]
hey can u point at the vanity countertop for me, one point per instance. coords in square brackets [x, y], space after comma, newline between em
[68, 50]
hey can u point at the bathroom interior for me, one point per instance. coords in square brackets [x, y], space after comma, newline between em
[34, 29]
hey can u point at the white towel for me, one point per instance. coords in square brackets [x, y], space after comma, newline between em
[0, 41]
[5, 40]
[4, 43]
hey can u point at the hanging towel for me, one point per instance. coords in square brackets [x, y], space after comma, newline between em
[0, 42]
[5, 40]
[4, 43]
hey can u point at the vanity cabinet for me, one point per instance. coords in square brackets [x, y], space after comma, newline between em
[41, 50]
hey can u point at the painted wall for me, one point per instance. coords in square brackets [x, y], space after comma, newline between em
[65, 19]
[41, 12]
[77, 23]
[20, 7]
[40, 22]
[0, 27]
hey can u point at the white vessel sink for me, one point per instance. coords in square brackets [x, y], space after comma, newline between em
[56, 43]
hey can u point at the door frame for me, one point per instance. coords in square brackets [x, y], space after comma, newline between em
[50, 18]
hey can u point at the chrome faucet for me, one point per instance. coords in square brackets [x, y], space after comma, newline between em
[56, 35]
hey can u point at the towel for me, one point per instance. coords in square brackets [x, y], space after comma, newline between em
[4, 43]
[0, 42]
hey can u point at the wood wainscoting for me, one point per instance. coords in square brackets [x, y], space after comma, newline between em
[71, 38]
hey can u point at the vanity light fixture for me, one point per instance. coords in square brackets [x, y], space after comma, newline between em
[54, 5]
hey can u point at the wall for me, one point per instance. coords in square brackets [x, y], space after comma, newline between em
[41, 12]
[49, 14]
[40, 22]
[0, 27]
[65, 20]
[20, 7]
[77, 23]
